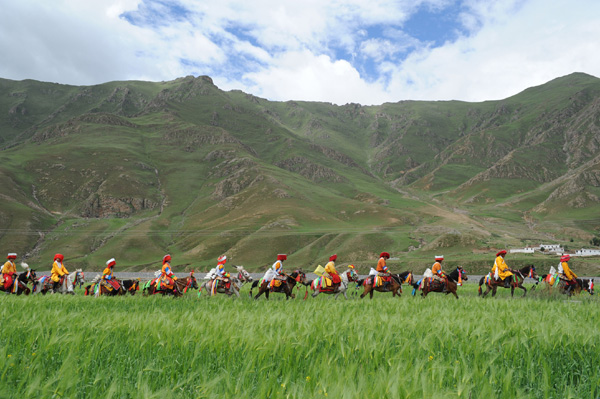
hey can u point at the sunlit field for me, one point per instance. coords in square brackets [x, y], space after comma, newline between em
[543, 346]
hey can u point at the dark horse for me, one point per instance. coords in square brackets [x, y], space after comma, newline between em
[180, 286]
[394, 285]
[287, 285]
[512, 282]
[432, 285]
[583, 284]
[22, 280]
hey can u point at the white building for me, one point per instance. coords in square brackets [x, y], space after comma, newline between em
[521, 250]
[587, 252]
[551, 248]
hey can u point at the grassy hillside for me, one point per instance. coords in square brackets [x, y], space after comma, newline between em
[134, 170]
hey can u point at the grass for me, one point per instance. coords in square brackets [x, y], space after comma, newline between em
[437, 347]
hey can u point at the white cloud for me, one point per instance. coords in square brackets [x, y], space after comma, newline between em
[311, 50]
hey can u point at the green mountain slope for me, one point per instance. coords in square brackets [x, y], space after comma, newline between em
[134, 170]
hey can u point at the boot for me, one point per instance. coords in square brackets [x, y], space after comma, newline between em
[55, 286]
[506, 284]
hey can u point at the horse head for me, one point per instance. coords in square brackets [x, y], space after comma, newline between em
[243, 275]
[588, 285]
[351, 274]
[463, 273]
[299, 276]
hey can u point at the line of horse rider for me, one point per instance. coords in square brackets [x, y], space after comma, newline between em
[329, 280]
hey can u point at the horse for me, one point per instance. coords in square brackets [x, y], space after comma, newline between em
[22, 280]
[428, 284]
[131, 285]
[98, 287]
[67, 282]
[236, 283]
[395, 284]
[286, 286]
[346, 277]
[583, 284]
[514, 281]
[180, 286]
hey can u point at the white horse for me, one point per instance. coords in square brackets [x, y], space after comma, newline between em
[45, 284]
[346, 277]
[236, 282]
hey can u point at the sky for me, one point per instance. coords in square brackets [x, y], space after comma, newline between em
[336, 51]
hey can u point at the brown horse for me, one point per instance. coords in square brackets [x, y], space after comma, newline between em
[286, 287]
[432, 285]
[393, 285]
[512, 282]
[180, 286]
[105, 288]
[22, 280]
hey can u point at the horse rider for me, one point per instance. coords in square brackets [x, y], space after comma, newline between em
[438, 273]
[107, 274]
[565, 272]
[221, 274]
[166, 274]
[9, 272]
[501, 268]
[58, 271]
[333, 273]
[382, 269]
[275, 271]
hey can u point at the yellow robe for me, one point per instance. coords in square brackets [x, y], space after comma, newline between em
[9, 267]
[107, 272]
[502, 267]
[58, 270]
[568, 272]
[437, 267]
[330, 268]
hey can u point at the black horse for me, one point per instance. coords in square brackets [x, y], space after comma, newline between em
[583, 284]
[512, 282]
[22, 280]
[432, 285]
[286, 287]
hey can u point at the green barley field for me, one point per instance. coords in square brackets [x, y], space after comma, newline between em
[543, 346]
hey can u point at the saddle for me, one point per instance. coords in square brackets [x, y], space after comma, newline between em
[435, 284]
[112, 285]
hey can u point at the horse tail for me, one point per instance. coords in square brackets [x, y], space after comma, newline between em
[87, 290]
[254, 285]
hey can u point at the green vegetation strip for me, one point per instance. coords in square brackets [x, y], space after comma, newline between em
[543, 346]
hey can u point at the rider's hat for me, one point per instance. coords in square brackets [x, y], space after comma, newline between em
[333, 258]
[11, 255]
[503, 252]
[384, 255]
[59, 257]
[221, 260]
[439, 257]
[166, 258]
[351, 266]
[565, 258]
[282, 257]
[111, 262]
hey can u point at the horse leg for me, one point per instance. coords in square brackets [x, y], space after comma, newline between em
[524, 289]
[454, 292]
[494, 288]
[364, 293]
[314, 294]
[512, 290]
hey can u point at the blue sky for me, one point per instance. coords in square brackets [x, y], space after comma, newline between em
[337, 51]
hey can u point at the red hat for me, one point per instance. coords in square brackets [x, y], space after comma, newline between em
[503, 252]
[111, 262]
[282, 257]
[221, 260]
[166, 258]
[333, 258]
[565, 258]
[59, 257]
[439, 258]
[11, 255]
[384, 254]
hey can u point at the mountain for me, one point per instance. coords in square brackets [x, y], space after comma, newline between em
[134, 170]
